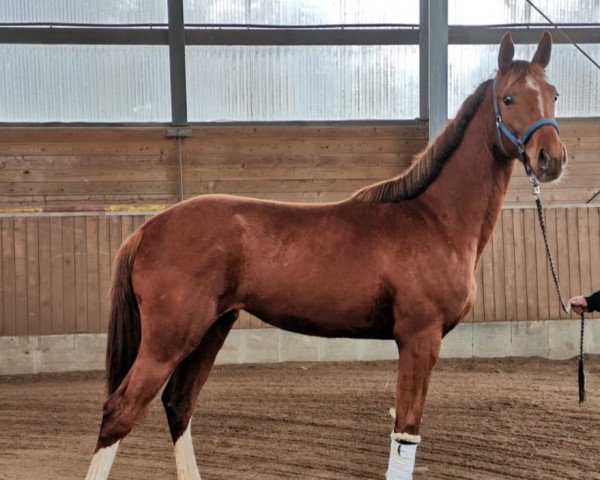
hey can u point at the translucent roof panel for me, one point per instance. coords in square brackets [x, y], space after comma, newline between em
[77, 83]
[472, 12]
[84, 11]
[469, 65]
[281, 83]
[301, 12]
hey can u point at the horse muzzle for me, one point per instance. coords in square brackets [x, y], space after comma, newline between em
[548, 166]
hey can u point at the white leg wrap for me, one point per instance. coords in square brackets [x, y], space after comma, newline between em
[187, 469]
[402, 461]
[102, 462]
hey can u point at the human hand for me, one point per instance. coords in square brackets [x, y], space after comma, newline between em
[578, 305]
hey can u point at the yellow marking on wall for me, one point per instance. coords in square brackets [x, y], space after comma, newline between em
[135, 208]
[105, 209]
[22, 210]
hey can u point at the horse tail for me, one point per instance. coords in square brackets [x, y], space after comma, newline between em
[124, 329]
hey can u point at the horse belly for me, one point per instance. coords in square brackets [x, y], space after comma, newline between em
[349, 314]
[328, 327]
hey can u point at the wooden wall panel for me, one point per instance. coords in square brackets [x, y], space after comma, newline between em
[45, 275]
[594, 242]
[20, 281]
[555, 238]
[8, 277]
[583, 240]
[92, 274]
[520, 268]
[104, 270]
[55, 274]
[542, 270]
[68, 268]
[479, 309]
[33, 276]
[532, 286]
[73, 167]
[56, 265]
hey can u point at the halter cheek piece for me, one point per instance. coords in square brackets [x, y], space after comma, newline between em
[519, 143]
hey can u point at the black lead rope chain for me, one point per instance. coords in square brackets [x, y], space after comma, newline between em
[581, 370]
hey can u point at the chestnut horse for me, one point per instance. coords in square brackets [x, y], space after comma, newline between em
[396, 261]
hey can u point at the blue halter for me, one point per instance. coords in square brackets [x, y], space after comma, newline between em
[519, 143]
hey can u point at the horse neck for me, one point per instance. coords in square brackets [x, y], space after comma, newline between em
[468, 195]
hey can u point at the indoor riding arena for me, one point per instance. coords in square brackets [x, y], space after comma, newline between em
[379, 220]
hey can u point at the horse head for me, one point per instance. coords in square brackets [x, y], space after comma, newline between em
[524, 108]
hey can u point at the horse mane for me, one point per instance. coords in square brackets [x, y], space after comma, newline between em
[426, 166]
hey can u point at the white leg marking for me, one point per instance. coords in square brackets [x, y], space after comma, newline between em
[102, 463]
[402, 461]
[531, 83]
[187, 469]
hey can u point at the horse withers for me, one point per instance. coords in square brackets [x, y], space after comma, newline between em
[396, 261]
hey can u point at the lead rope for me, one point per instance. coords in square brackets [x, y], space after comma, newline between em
[581, 370]
[538, 202]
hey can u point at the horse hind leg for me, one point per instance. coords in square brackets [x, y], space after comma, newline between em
[180, 394]
[125, 406]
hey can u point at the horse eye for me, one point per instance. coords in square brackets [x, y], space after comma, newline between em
[556, 95]
[508, 100]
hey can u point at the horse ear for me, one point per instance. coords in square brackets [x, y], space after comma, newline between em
[506, 54]
[542, 54]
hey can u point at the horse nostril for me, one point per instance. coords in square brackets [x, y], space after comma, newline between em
[543, 159]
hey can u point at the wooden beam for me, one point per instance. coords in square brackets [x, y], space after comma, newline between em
[404, 35]
[83, 36]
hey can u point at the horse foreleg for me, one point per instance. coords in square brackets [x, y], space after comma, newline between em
[179, 396]
[417, 356]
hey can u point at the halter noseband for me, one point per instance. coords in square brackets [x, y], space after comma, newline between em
[519, 143]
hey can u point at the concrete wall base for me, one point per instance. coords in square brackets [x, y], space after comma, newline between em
[547, 339]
